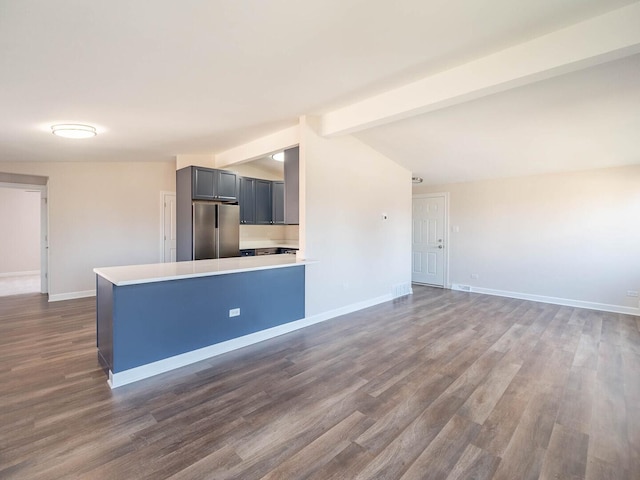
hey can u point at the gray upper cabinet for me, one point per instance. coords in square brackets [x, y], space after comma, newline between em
[277, 202]
[211, 184]
[203, 183]
[247, 200]
[226, 186]
[292, 186]
[263, 202]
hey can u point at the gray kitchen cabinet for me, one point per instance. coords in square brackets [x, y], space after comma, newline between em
[212, 184]
[203, 183]
[264, 202]
[292, 186]
[226, 186]
[264, 214]
[247, 200]
[277, 202]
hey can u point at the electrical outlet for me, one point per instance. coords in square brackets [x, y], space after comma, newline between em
[234, 312]
[632, 293]
[475, 276]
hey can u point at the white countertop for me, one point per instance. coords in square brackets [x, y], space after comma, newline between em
[247, 244]
[160, 272]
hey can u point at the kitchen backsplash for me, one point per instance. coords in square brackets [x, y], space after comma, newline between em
[269, 232]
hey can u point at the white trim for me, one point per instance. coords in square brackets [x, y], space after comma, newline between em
[163, 194]
[71, 295]
[354, 307]
[447, 237]
[161, 366]
[24, 186]
[44, 240]
[20, 274]
[567, 302]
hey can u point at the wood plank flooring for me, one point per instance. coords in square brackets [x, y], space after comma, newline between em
[438, 385]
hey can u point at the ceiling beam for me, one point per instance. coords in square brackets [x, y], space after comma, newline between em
[260, 147]
[592, 42]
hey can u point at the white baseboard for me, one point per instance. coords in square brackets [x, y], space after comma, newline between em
[20, 274]
[161, 366]
[71, 295]
[354, 307]
[567, 302]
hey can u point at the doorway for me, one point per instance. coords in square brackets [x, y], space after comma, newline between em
[429, 239]
[24, 243]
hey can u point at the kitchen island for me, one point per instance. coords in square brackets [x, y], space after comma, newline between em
[154, 318]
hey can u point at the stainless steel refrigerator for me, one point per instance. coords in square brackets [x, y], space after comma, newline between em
[216, 230]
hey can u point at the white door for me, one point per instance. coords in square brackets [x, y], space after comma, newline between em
[169, 227]
[428, 240]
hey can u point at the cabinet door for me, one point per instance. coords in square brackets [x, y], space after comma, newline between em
[226, 185]
[247, 200]
[203, 183]
[263, 202]
[278, 202]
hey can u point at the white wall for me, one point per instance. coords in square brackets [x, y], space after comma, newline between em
[572, 236]
[268, 232]
[20, 227]
[100, 214]
[346, 186]
[253, 169]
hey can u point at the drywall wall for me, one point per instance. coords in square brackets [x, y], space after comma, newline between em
[186, 160]
[572, 236]
[256, 170]
[346, 187]
[268, 232]
[258, 147]
[20, 227]
[100, 214]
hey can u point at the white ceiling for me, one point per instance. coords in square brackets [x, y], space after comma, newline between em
[160, 77]
[587, 119]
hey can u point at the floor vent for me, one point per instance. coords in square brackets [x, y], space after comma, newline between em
[401, 289]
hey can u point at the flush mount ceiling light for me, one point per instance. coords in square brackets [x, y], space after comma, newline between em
[417, 179]
[278, 157]
[71, 130]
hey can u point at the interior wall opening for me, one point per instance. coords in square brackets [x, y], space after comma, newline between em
[24, 239]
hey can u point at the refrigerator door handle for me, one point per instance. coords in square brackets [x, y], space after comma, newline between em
[193, 231]
[216, 233]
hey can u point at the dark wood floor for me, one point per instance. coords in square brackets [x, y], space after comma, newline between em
[440, 384]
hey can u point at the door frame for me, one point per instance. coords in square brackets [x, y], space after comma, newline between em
[163, 194]
[447, 243]
[44, 229]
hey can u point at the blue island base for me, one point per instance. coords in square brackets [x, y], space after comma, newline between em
[149, 328]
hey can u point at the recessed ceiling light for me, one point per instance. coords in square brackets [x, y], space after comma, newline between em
[416, 179]
[278, 157]
[71, 130]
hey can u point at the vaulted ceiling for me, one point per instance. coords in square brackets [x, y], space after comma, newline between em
[160, 78]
